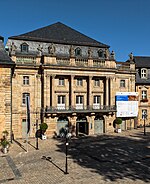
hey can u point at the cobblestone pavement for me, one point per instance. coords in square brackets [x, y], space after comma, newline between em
[116, 158]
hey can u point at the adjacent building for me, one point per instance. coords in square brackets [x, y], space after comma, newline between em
[70, 79]
[143, 88]
[6, 72]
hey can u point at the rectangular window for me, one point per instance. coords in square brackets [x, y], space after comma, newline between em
[61, 81]
[143, 73]
[144, 94]
[96, 82]
[79, 99]
[144, 113]
[24, 98]
[79, 82]
[122, 83]
[61, 99]
[25, 80]
[96, 99]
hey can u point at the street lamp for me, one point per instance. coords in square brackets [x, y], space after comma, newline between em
[68, 136]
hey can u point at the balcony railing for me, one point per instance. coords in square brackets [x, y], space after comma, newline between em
[73, 109]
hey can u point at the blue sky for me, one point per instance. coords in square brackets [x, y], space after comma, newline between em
[122, 24]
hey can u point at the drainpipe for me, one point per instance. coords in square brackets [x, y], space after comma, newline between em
[11, 131]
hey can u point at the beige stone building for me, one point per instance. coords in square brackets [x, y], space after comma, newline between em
[143, 88]
[6, 72]
[70, 78]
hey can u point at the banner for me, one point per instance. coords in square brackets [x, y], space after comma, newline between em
[28, 113]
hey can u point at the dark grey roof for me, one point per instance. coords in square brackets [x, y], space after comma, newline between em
[59, 33]
[1, 38]
[142, 61]
[4, 58]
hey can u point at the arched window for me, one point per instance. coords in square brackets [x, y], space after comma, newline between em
[78, 51]
[24, 47]
[100, 53]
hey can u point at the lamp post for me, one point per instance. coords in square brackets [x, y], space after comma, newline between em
[68, 136]
[37, 144]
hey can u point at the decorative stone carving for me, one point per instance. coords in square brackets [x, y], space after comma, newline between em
[106, 53]
[51, 49]
[131, 56]
[113, 55]
[40, 50]
[71, 51]
[13, 49]
[89, 52]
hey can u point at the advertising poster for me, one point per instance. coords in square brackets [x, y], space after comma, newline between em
[127, 104]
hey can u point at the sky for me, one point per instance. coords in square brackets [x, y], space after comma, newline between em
[124, 25]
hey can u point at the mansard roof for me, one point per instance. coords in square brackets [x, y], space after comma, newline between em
[142, 61]
[4, 58]
[1, 38]
[59, 33]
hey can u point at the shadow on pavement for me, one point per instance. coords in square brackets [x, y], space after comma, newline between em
[50, 160]
[113, 157]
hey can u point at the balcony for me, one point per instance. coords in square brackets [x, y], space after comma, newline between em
[84, 109]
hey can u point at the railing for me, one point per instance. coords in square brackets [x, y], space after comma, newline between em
[72, 109]
[123, 66]
[63, 61]
[81, 62]
[99, 63]
[26, 59]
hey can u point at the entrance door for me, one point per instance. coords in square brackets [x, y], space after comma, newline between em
[98, 126]
[123, 125]
[62, 123]
[82, 128]
[24, 128]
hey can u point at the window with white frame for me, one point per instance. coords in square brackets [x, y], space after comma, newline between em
[24, 95]
[144, 113]
[143, 73]
[61, 81]
[122, 83]
[61, 99]
[79, 82]
[96, 99]
[61, 102]
[96, 82]
[25, 80]
[144, 94]
[79, 99]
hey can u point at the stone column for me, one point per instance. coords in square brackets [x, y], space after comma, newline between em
[90, 99]
[72, 100]
[107, 91]
[52, 91]
[47, 90]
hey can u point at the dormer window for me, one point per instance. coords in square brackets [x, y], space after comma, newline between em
[78, 51]
[24, 47]
[143, 73]
[100, 53]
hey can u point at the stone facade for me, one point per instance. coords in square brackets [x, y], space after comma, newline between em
[67, 83]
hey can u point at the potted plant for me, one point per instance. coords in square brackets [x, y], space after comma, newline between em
[5, 145]
[118, 122]
[43, 128]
